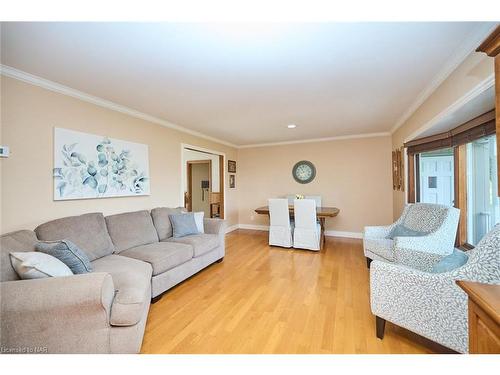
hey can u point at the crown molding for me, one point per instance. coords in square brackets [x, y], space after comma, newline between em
[20, 75]
[468, 46]
[314, 140]
[470, 95]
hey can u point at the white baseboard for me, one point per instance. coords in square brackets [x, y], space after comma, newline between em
[254, 227]
[232, 228]
[336, 233]
[328, 233]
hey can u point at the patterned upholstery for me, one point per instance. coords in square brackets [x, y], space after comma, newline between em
[440, 222]
[430, 304]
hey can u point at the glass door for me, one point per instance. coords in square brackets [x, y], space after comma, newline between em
[483, 209]
[436, 171]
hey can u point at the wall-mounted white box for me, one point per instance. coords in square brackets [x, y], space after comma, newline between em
[4, 151]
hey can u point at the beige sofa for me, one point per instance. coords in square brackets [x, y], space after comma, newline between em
[134, 259]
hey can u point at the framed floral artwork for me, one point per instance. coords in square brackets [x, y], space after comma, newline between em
[94, 166]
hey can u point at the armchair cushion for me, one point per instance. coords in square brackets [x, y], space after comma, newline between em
[401, 231]
[450, 262]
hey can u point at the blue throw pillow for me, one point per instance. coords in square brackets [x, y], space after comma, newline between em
[402, 231]
[68, 253]
[450, 262]
[183, 224]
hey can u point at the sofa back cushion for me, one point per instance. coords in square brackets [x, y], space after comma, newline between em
[87, 231]
[162, 222]
[131, 229]
[22, 240]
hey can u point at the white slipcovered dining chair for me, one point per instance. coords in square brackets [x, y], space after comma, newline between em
[316, 198]
[307, 232]
[281, 228]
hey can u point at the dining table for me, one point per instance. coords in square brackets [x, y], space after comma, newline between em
[322, 213]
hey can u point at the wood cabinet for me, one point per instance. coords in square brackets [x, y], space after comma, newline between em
[484, 317]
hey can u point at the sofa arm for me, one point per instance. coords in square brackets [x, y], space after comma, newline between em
[214, 226]
[57, 315]
[431, 305]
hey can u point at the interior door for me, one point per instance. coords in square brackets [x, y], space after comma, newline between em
[436, 180]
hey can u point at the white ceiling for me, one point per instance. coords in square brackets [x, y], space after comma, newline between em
[243, 83]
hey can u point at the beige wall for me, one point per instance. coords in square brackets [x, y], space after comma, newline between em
[28, 116]
[476, 68]
[353, 175]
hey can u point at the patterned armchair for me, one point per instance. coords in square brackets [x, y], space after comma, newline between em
[431, 304]
[440, 222]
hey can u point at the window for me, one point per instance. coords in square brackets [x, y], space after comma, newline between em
[435, 180]
[459, 168]
[483, 207]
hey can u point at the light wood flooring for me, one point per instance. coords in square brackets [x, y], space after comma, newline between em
[264, 299]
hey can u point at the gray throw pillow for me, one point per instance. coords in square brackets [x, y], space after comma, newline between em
[450, 262]
[68, 253]
[402, 231]
[183, 224]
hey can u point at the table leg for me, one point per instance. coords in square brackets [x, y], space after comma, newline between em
[322, 224]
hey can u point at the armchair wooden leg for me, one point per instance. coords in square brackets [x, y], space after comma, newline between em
[380, 323]
[368, 262]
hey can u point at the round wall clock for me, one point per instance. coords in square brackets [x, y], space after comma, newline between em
[304, 172]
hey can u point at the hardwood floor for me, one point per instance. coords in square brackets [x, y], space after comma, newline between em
[265, 299]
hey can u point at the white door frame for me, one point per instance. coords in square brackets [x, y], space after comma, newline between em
[184, 175]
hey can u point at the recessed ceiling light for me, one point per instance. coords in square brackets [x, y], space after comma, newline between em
[291, 126]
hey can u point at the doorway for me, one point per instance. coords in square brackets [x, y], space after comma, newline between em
[203, 181]
[199, 186]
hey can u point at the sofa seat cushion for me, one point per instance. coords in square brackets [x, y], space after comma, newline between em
[132, 280]
[202, 243]
[162, 256]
